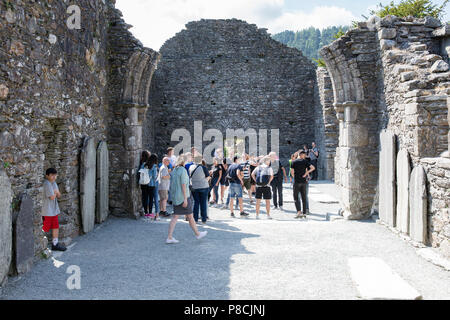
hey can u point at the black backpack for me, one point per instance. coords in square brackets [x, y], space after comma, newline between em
[231, 175]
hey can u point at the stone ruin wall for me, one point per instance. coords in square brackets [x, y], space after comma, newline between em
[404, 60]
[131, 67]
[327, 125]
[57, 88]
[54, 82]
[417, 86]
[230, 75]
[352, 64]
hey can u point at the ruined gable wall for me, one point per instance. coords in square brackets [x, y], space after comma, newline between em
[230, 74]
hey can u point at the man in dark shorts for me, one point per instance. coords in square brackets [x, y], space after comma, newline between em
[263, 175]
[301, 168]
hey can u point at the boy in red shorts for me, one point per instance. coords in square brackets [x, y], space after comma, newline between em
[50, 208]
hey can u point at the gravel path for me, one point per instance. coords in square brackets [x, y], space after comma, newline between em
[247, 258]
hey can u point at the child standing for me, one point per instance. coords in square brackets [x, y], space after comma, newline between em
[50, 208]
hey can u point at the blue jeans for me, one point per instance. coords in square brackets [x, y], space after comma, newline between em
[200, 202]
[216, 188]
[155, 198]
[235, 190]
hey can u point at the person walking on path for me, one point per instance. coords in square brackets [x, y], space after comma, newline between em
[235, 175]
[277, 183]
[216, 174]
[164, 184]
[200, 188]
[314, 156]
[182, 201]
[263, 175]
[301, 168]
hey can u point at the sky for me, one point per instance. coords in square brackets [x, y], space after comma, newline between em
[155, 21]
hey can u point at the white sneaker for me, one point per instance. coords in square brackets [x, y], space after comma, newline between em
[202, 235]
[281, 208]
[171, 241]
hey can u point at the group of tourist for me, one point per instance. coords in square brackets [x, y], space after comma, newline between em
[186, 182]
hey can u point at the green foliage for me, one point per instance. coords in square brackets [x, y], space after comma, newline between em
[415, 8]
[339, 34]
[320, 63]
[6, 165]
[310, 40]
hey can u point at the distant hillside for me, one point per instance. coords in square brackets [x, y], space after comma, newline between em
[310, 40]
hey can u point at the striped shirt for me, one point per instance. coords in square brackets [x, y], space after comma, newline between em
[246, 170]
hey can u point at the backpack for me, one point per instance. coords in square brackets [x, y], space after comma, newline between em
[144, 177]
[263, 176]
[231, 176]
[154, 176]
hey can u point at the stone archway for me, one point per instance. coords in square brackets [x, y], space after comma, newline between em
[352, 70]
[126, 132]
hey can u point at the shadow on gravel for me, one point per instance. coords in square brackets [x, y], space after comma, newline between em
[128, 259]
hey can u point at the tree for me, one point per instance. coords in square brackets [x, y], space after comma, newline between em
[415, 8]
[309, 40]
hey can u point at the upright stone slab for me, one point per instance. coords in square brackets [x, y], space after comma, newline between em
[87, 184]
[5, 225]
[403, 176]
[102, 182]
[418, 205]
[24, 236]
[387, 177]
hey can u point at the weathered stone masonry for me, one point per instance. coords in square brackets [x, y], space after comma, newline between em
[327, 125]
[59, 87]
[231, 75]
[405, 86]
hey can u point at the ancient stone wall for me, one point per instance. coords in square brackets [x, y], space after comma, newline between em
[131, 68]
[327, 136]
[416, 87]
[352, 63]
[54, 81]
[231, 75]
[63, 86]
[408, 90]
